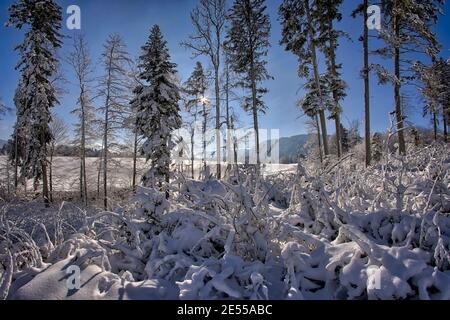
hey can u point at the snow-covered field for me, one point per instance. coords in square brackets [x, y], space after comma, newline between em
[334, 232]
[66, 171]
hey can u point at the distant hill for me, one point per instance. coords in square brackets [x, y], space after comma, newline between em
[292, 147]
[2, 143]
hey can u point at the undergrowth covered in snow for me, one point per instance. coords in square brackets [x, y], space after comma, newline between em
[332, 231]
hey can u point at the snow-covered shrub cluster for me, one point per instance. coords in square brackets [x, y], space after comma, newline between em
[338, 231]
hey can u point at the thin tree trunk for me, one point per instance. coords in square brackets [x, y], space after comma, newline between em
[319, 142]
[81, 179]
[312, 48]
[444, 120]
[204, 136]
[227, 104]
[367, 86]
[217, 89]
[337, 116]
[135, 158]
[255, 111]
[435, 126]
[105, 138]
[16, 160]
[45, 191]
[83, 186]
[192, 153]
[397, 88]
[51, 174]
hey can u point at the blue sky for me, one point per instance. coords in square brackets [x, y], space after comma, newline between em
[132, 19]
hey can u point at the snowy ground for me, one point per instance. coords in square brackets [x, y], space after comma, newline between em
[66, 171]
[334, 232]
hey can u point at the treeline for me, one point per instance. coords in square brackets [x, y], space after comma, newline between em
[142, 101]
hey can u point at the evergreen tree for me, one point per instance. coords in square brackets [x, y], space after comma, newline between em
[377, 146]
[408, 29]
[38, 64]
[362, 10]
[433, 90]
[247, 46]
[329, 43]
[300, 21]
[345, 139]
[158, 112]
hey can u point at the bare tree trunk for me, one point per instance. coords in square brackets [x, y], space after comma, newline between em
[217, 89]
[435, 126]
[312, 48]
[397, 87]
[105, 165]
[51, 173]
[337, 116]
[16, 161]
[367, 86]
[81, 179]
[135, 158]
[83, 186]
[106, 132]
[255, 112]
[45, 191]
[444, 120]
[319, 142]
[227, 105]
[204, 136]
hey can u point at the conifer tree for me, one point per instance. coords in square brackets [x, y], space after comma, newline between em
[300, 25]
[329, 43]
[247, 46]
[407, 29]
[37, 64]
[158, 113]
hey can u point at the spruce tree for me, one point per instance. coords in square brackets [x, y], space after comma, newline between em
[407, 29]
[247, 47]
[38, 64]
[362, 10]
[328, 12]
[158, 113]
[300, 20]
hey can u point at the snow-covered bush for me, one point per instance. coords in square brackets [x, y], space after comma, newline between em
[332, 231]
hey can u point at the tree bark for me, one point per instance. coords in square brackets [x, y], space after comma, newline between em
[397, 88]
[217, 89]
[50, 169]
[16, 160]
[312, 49]
[444, 120]
[135, 159]
[435, 126]
[319, 142]
[367, 86]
